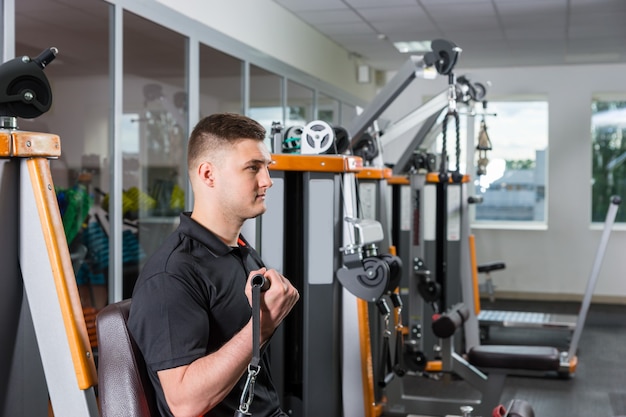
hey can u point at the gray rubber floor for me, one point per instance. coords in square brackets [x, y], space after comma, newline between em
[598, 388]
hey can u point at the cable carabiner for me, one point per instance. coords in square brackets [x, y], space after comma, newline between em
[248, 390]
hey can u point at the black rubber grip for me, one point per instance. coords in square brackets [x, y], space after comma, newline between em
[260, 281]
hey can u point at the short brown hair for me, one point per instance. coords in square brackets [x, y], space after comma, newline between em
[219, 130]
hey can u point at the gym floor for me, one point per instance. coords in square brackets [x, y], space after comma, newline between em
[597, 389]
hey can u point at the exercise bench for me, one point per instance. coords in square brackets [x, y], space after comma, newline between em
[489, 286]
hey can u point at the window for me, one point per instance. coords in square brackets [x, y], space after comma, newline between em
[513, 186]
[608, 175]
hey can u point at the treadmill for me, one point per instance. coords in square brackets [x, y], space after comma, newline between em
[570, 322]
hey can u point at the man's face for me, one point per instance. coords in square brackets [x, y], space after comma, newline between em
[243, 179]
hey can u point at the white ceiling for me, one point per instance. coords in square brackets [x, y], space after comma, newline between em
[491, 33]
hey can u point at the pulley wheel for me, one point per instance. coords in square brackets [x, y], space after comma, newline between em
[395, 270]
[366, 147]
[479, 91]
[376, 273]
[292, 139]
[367, 283]
[317, 137]
[35, 97]
[429, 290]
[342, 139]
[414, 361]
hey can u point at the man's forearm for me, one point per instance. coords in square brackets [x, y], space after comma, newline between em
[194, 389]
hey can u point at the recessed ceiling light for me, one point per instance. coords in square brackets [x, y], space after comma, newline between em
[412, 46]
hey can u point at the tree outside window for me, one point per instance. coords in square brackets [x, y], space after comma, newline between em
[608, 177]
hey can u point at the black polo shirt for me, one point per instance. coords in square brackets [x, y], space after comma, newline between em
[188, 301]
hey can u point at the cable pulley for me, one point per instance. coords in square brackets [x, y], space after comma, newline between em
[317, 138]
[443, 56]
[292, 138]
[24, 88]
[366, 147]
[342, 140]
[395, 270]
[369, 282]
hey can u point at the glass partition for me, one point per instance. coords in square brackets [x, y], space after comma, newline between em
[221, 81]
[299, 104]
[348, 113]
[266, 104]
[79, 115]
[154, 138]
[328, 109]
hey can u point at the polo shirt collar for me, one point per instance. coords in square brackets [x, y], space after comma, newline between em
[203, 235]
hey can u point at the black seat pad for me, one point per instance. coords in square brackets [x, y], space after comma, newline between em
[493, 266]
[534, 358]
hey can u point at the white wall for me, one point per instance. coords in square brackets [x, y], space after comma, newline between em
[271, 29]
[553, 263]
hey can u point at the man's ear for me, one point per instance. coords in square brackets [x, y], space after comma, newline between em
[206, 173]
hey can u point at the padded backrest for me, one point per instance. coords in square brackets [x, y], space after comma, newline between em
[124, 388]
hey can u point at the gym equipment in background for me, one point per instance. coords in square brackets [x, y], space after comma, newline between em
[314, 138]
[455, 382]
[569, 322]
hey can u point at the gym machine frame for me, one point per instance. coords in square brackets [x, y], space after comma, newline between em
[300, 237]
[36, 259]
[443, 58]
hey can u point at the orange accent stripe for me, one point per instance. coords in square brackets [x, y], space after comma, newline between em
[316, 163]
[474, 266]
[367, 371]
[5, 144]
[434, 177]
[374, 173]
[433, 366]
[398, 180]
[573, 363]
[63, 274]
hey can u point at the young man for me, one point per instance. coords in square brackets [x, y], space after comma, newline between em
[190, 312]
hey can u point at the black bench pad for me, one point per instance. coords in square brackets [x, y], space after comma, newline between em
[493, 266]
[534, 358]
